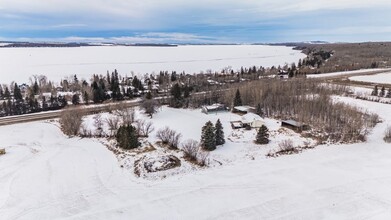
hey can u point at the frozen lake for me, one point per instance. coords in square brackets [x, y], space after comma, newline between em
[19, 64]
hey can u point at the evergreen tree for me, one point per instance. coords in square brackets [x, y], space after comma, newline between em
[388, 93]
[237, 99]
[208, 137]
[35, 88]
[262, 135]
[219, 133]
[127, 137]
[86, 97]
[382, 91]
[375, 91]
[17, 93]
[176, 93]
[75, 99]
[7, 93]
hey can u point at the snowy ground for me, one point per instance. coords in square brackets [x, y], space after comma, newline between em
[378, 78]
[45, 175]
[344, 73]
[57, 63]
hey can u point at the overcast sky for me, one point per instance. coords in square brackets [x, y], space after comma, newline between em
[196, 21]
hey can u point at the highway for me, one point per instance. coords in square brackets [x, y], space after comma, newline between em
[341, 79]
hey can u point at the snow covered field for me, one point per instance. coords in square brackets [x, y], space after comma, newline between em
[45, 175]
[57, 63]
[377, 78]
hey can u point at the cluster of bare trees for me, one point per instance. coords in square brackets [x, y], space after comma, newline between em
[307, 101]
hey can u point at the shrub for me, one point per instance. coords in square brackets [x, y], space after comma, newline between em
[190, 148]
[387, 135]
[286, 146]
[168, 137]
[127, 137]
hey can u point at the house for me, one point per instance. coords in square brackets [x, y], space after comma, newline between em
[2, 151]
[251, 120]
[243, 109]
[294, 125]
[214, 108]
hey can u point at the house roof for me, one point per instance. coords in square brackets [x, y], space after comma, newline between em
[293, 123]
[243, 108]
[250, 117]
[214, 106]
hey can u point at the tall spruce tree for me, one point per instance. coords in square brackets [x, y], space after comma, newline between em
[219, 133]
[375, 91]
[237, 99]
[388, 93]
[17, 93]
[262, 135]
[208, 137]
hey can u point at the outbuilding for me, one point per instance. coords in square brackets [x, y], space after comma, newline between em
[294, 125]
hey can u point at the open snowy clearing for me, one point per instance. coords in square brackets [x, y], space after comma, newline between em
[45, 175]
[384, 78]
[58, 63]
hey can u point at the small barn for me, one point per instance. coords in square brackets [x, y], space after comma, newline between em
[243, 109]
[215, 108]
[294, 125]
[252, 120]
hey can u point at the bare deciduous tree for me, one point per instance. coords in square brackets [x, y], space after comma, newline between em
[113, 123]
[71, 120]
[98, 123]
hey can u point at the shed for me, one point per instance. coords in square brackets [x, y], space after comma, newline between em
[214, 108]
[236, 124]
[243, 109]
[294, 125]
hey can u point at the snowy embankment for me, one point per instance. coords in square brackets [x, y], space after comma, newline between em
[382, 78]
[346, 73]
[45, 175]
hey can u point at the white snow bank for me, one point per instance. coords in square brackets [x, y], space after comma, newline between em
[345, 73]
[378, 78]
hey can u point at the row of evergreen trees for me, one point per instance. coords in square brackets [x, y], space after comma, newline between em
[382, 92]
[212, 136]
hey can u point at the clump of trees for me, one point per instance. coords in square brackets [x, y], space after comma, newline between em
[307, 101]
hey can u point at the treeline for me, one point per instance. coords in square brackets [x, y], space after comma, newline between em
[325, 58]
